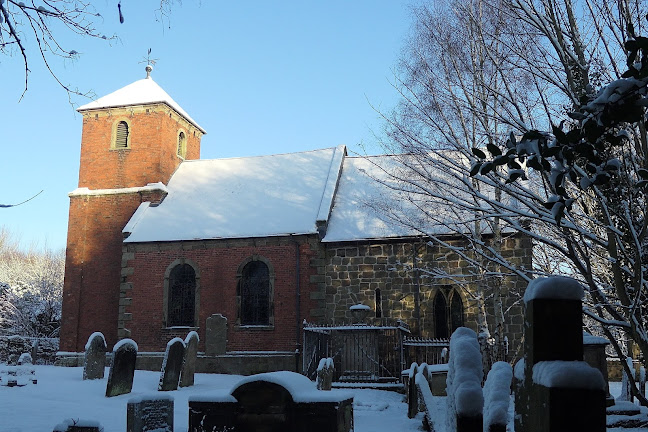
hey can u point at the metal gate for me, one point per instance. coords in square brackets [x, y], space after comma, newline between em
[361, 353]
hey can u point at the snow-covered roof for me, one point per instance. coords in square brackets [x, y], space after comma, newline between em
[365, 187]
[141, 92]
[260, 196]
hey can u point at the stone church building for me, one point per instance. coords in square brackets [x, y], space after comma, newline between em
[160, 240]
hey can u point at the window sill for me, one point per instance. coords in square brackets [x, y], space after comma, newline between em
[181, 328]
[254, 327]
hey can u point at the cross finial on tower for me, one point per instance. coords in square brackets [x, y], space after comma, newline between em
[149, 63]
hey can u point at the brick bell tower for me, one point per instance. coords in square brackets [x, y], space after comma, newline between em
[132, 142]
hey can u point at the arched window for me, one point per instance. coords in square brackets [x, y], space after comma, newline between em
[440, 316]
[448, 312]
[121, 135]
[378, 299]
[181, 296]
[254, 289]
[182, 144]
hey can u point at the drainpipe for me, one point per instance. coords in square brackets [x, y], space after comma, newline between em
[297, 304]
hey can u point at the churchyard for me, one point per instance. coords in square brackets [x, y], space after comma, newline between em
[552, 389]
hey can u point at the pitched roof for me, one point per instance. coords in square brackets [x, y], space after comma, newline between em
[259, 196]
[141, 92]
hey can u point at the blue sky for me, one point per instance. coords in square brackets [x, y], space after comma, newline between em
[261, 77]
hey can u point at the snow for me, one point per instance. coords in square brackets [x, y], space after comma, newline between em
[360, 306]
[465, 375]
[92, 336]
[554, 287]
[259, 196]
[123, 342]
[497, 394]
[62, 394]
[141, 92]
[568, 374]
[301, 389]
[588, 339]
[150, 187]
[190, 335]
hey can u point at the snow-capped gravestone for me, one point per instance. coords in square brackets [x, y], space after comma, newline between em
[216, 335]
[412, 394]
[325, 371]
[190, 357]
[172, 365]
[94, 361]
[147, 414]
[465, 400]
[25, 359]
[120, 377]
[556, 389]
[277, 401]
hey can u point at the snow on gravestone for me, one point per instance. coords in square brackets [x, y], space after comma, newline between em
[78, 425]
[171, 365]
[465, 399]
[149, 413]
[94, 361]
[190, 357]
[120, 377]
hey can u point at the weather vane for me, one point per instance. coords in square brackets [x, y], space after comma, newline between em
[149, 63]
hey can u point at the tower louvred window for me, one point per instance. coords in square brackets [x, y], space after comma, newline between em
[181, 144]
[121, 139]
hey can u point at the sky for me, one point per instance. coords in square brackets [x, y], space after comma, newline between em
[260, 77]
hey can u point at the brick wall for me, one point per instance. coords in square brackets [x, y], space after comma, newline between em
[218, 261]
[94, 248]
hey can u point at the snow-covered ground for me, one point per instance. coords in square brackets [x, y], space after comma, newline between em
[61, 393]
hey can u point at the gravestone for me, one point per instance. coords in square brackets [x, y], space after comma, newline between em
[272, 402]
[557, 389]
[34, 350]
[122, 370]
[190, 357]
[144, 414]
[172, 365]
[94, 361]
[325, 371]
[25, 359]
[216, 335]
[412, 393]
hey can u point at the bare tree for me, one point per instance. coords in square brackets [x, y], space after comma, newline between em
[38, 25]
[478, 75]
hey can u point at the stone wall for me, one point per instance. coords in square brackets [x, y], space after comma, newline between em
[353, 272]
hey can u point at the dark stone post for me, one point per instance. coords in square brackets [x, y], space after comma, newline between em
[562, 391]
[122, 371]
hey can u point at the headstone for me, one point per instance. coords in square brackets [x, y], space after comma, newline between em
[172, 365]
[94, 361]
[25, 359]
[144, 414]
[594, 355]
[278, 401]
[216, 335]
[412, 393]
[34, 350]
[190, 357]
[120, 377]
[325, 374]
[78, 425]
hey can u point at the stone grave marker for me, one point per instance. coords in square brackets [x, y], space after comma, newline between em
[277, 401]
[120, 377]
[190, 357]
[171, 365]
[94, 361]
[325, 371]
[154, 413]
[216, 335]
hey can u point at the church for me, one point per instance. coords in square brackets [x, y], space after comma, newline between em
[160, 240]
